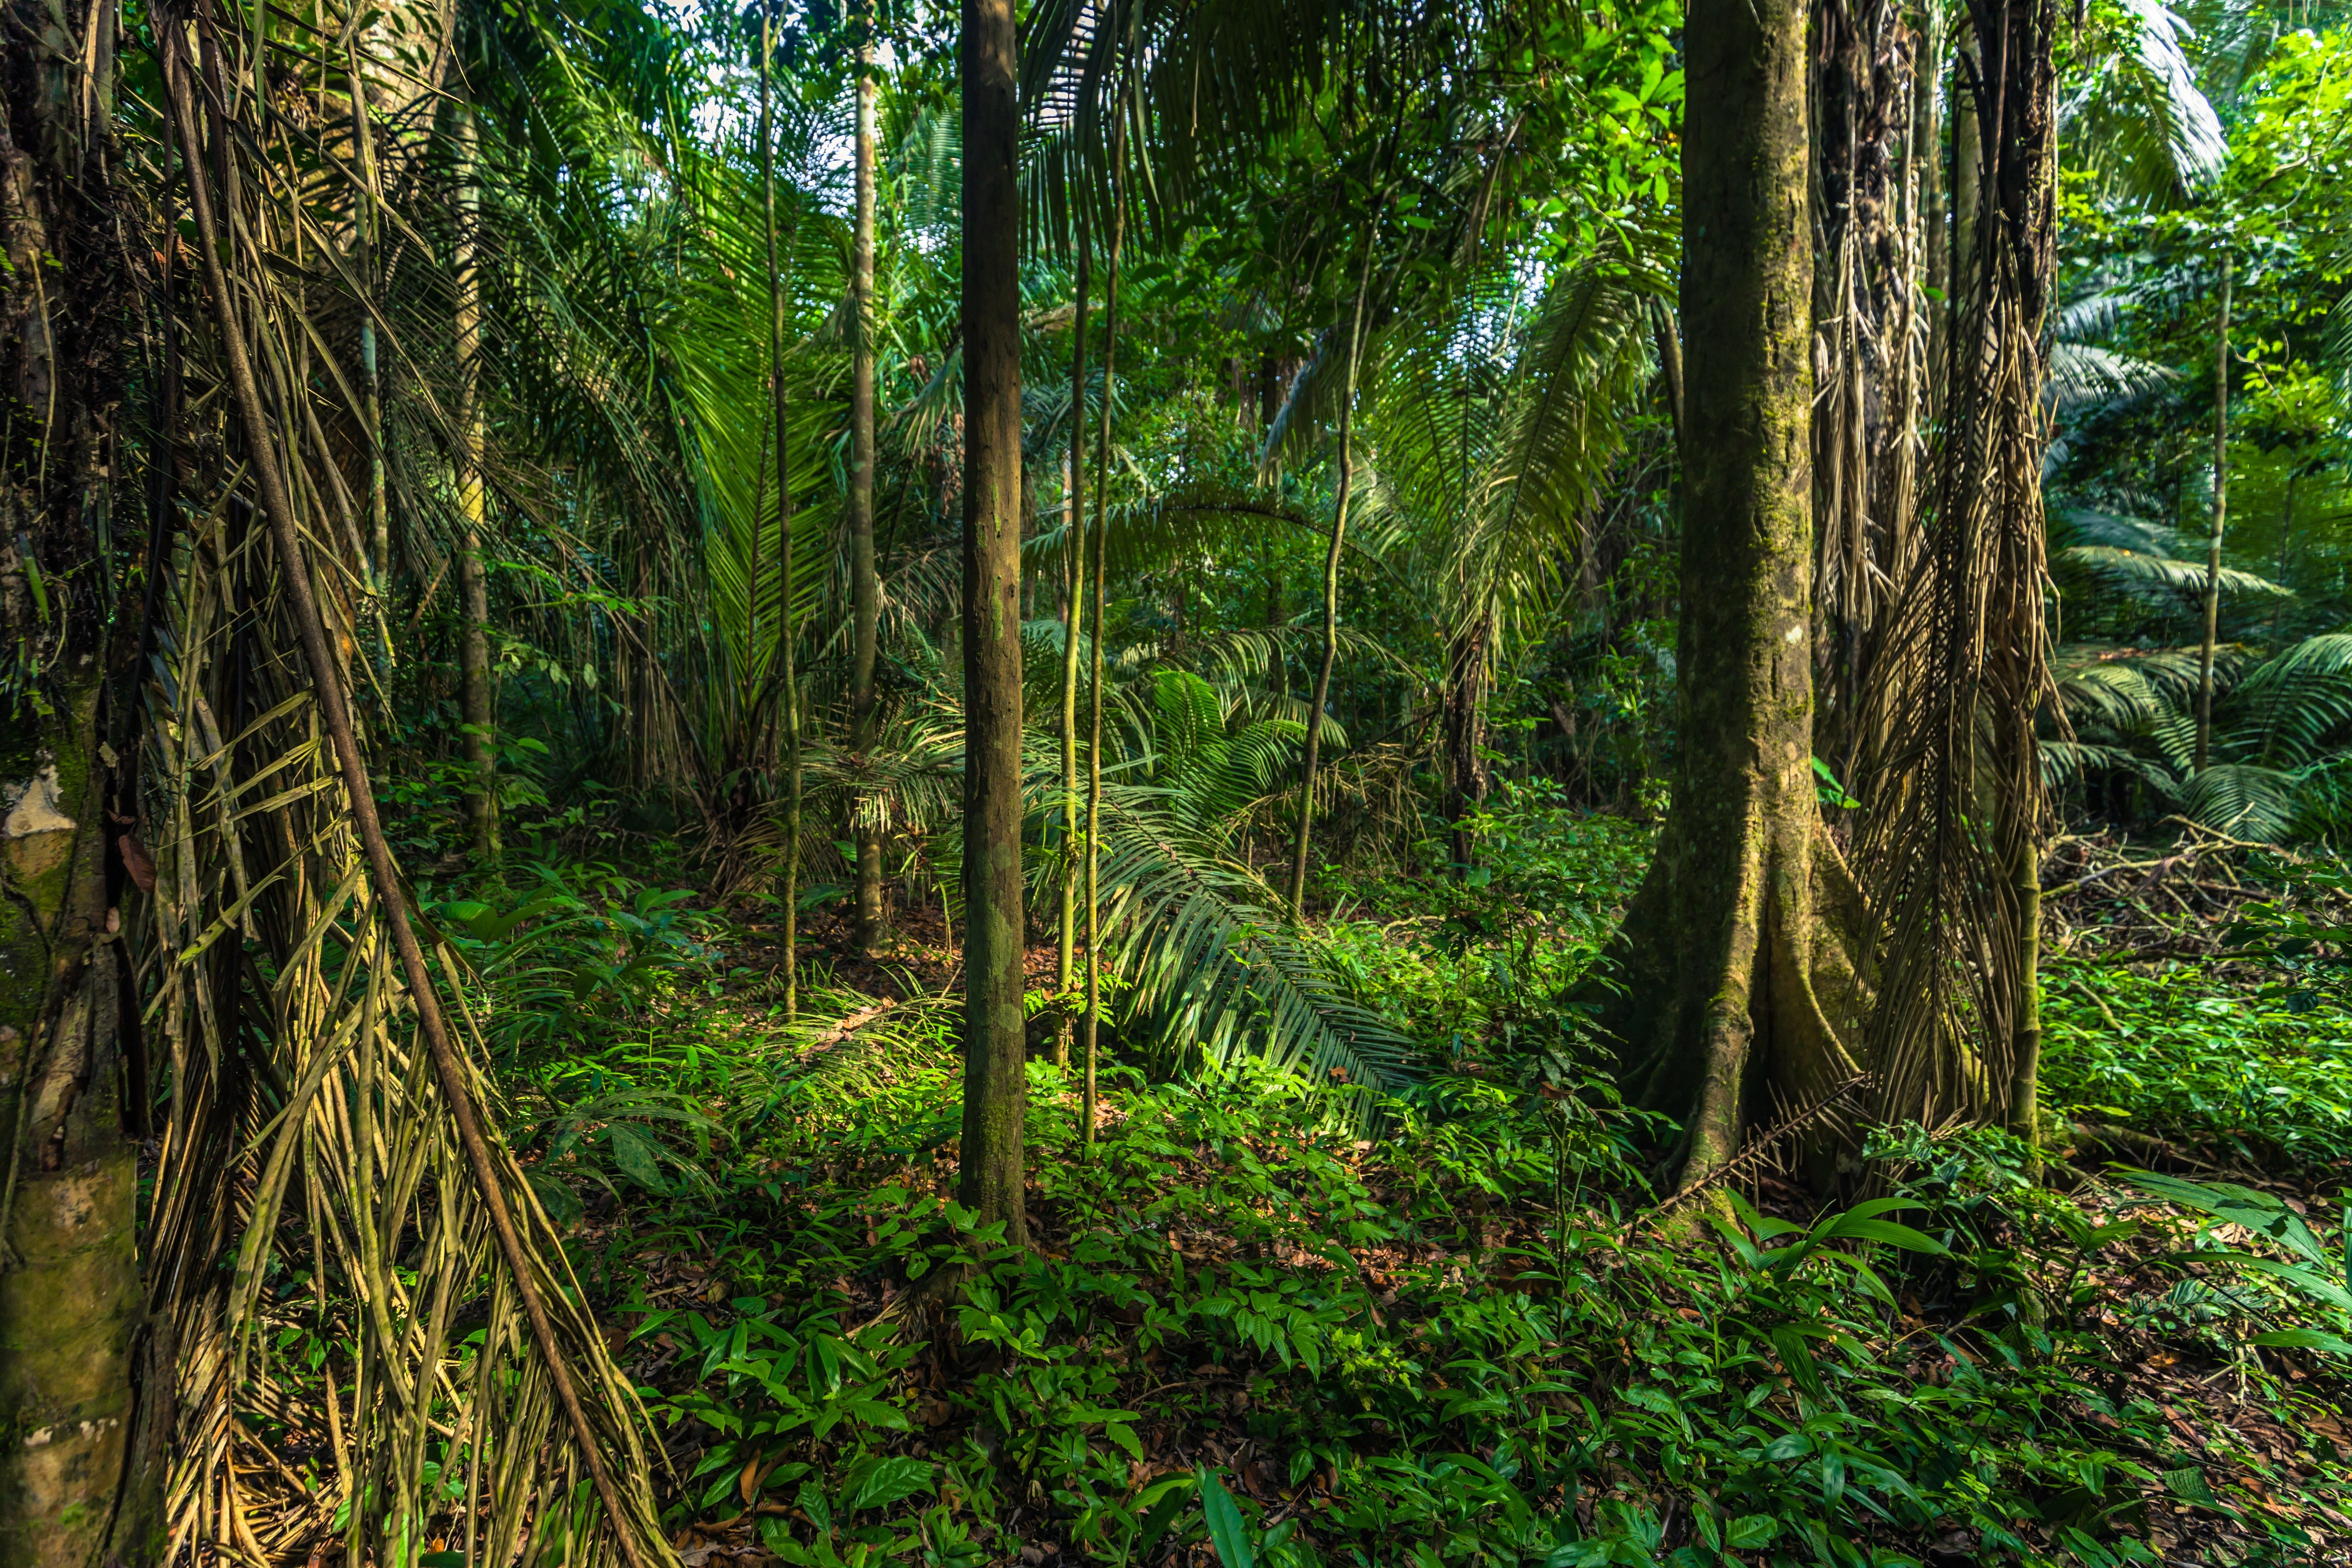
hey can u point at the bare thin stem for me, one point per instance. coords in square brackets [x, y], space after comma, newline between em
[1298, 848]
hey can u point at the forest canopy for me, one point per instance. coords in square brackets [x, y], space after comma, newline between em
[1142, 783]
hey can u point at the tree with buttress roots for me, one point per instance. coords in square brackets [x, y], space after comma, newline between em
[1758, 976]
[1735, 980]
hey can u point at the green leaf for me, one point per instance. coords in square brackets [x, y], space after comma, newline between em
[1161, 1504]
[2188, 1484]
[563, 1206]
[2304, 1340]
[890, 1481]
[875, 1414]
[1887, 1231]
[1797, 1357]
[1750, 1530]
[1227, 1533]
[634, 1151]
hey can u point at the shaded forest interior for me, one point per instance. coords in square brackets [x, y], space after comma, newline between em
[1176, 783]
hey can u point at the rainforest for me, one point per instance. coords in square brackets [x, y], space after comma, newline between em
[1175, 784]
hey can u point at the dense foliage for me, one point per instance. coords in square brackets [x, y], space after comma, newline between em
[516, 630]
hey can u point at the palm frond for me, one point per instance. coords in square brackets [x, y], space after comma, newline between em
[2134, 568]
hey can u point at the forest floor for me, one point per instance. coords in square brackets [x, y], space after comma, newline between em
[1248, 1333]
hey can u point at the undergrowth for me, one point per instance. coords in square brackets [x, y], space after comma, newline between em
[1246, 1334]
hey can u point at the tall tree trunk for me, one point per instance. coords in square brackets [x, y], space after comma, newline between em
[865, 586]
[1092, 1029]
[476, 701]
[1726, 952]
[1313, 749]
[1074, 625]
[85, 1389]
[2221, 517]
[993, 1044]
[787, 676]
[364, 224]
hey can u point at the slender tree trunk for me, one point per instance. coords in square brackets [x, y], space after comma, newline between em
[1670, 367]
[1087, 1096]
[865, 586]
[2220, 518]
[379, 564]
[1313, 749]
[476, 703]
[1721, 1003]
[787, 676]
[1074, 625]
[83, 1384]
[1926, 156]
[993, 1043]
[2286, 538]
[1464, 706]
[2025, 1047]
[1968, 177]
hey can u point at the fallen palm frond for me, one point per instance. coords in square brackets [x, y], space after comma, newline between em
[1765, 1146]
[326, 1170]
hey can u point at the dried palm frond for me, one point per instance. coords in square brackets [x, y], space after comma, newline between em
[326, 1125]
[1874, 172]
[1949, 760]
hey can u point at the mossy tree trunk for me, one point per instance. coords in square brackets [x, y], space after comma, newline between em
[994, 1044]
[1728, 959]
[84, 1395]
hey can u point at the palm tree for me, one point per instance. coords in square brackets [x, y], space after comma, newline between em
[473, 582]
[785, 679]
[994, 1043]
[1954, 889]
[292, 978]
[866, 593]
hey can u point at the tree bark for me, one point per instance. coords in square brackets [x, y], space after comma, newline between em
[865, 586]
[994, 1043]
[83, 1384]
[1722, 948]
[476, 701]
[2221, 516]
